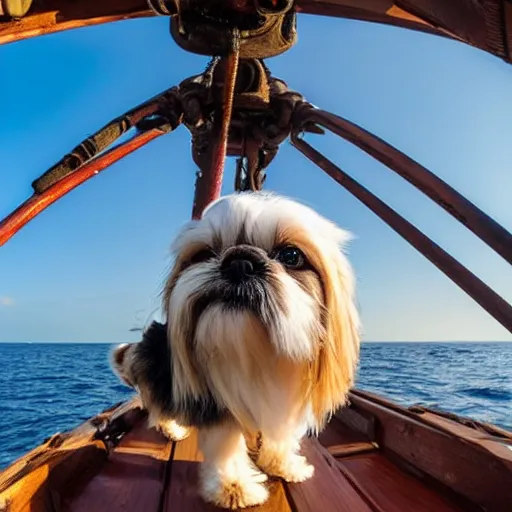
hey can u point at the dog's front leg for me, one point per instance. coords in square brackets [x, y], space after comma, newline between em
[228, 478]
[279, 456]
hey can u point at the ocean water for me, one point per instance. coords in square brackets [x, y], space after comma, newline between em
[46, 388]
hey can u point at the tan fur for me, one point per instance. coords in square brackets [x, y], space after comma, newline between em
[332, 373]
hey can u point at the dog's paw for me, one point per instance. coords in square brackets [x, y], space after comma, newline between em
[295, 468]
[172, 430]
[239, 486]
[236, 494]
[298, 469]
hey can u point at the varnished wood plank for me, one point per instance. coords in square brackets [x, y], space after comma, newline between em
[358, 421]
[338, 433]
[132, 480]
[182, 494]
[351, 449]
[340, 440]
[328, 490]
[38, 489]
[59, 15]
[146, 442]
[390, 490]
[498, 443]
[470, 470]
[65, 461]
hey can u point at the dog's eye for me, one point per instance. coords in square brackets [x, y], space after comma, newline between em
[199, 257]
[291, 257]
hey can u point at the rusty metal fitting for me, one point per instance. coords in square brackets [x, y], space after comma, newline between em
[263, 111]
[252, 87]
[302, 121]
[267, 28]
[276, 126]
[195, 97]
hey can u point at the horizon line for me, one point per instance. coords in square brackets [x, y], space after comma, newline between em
[125, 341]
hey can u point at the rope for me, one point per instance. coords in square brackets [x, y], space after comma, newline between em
[209, 181]
[219, 157]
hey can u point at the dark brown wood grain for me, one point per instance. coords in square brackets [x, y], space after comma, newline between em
[181, 492]
[328, 489]
[378, 11]
[39, 489]
[58, 15]
[357, 421]
[390, 490]
[132, 480]
[466, 19]
[507, 22]
[481, 24]
[421, 461]
[470, 470]
[38, 480]
[338, 432]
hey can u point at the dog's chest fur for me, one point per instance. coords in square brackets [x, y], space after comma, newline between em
[243, 372]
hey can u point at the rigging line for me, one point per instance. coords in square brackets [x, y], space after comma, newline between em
[218, 153]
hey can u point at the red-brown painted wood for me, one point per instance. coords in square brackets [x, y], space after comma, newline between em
[39, 202]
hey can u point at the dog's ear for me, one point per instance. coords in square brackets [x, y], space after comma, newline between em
[121, 363]
[334, 370]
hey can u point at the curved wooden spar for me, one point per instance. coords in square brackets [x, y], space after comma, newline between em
[468, 214]
[39, 202]
[495, 305]
[60, 15]
[485, 25]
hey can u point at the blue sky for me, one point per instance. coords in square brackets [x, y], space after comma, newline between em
[90, 267]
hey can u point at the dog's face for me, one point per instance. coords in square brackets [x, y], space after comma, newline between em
[262, 266]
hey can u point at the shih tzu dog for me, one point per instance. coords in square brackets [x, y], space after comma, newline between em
[261, 341]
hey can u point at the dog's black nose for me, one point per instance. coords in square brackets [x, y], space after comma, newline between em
[242, 262]
[238, 270]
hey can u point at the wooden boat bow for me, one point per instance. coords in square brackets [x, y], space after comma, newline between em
[374, 456]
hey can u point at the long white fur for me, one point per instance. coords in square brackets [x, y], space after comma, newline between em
[255, 371]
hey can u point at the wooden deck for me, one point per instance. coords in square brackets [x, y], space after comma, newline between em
[115, 463]
[146, 472]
